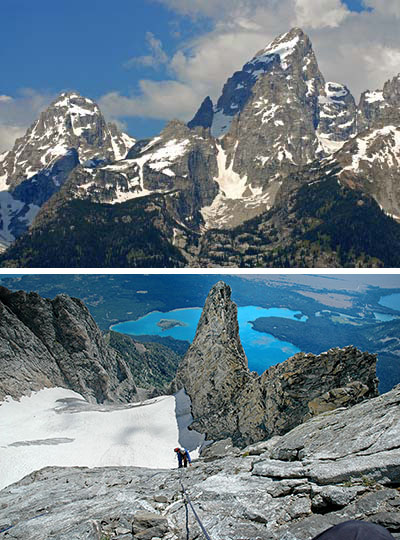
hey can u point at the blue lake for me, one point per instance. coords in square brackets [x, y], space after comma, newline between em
[384, 317]
[391, 301]
[262, 350]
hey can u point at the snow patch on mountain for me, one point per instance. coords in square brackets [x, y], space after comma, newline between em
[282, 47]
[167, 154]
[335, 91]
[3, 183]
[372, 97]
[121, 145]
[234, 192]
[327, 145]
[231, 185]
[160, 160]
[369, 153]
[267, 110]
[10, 208]
[57, 427]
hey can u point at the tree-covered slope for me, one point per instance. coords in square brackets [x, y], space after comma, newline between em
[318, 224]
[79, 233]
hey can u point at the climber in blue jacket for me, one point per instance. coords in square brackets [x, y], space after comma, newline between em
[183, 457]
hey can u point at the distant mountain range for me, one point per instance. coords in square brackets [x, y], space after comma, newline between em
[284, 170]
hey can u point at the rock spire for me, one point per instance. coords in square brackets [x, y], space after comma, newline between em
[230, 401]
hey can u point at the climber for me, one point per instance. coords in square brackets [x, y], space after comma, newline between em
[355, 530]
[183, 457]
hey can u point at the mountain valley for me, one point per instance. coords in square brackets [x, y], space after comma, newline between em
[333, 318]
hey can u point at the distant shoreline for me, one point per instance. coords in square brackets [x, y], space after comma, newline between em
[149, 313]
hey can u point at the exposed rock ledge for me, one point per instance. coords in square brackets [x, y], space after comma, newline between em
[343, 464]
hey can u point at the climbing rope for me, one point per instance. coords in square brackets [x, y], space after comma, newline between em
[187, 519]
[188, 501]
[15, 524]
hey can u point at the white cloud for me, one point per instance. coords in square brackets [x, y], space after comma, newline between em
[8, 135]
[216, 9]
[323, 13]
[387, 7]
[162, 100]
[18, 113]
[156, 58]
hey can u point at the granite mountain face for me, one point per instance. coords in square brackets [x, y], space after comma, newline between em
[274, 116]
[278, 126]
[71, 131]
[56, 343]
[230, 401]
[47, 343]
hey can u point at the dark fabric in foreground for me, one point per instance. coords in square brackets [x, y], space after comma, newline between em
[355, 530]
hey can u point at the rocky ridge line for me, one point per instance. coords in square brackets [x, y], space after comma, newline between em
[46, 343]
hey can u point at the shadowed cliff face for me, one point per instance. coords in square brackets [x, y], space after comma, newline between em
[47, 343]
[230, 401]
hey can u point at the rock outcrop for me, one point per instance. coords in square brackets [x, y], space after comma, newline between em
[307, 384]
[226, 396]
[46, 343]
[341, 465]
[230, 401]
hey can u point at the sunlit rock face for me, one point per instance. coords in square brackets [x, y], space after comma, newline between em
[48, 343]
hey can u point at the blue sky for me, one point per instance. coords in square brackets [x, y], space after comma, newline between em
[147, 61]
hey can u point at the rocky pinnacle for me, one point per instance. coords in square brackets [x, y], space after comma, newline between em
[214, 372]
[230, 401]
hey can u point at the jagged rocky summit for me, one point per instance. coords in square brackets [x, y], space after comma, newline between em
[230, 401]
[70, 132]
[244, 166]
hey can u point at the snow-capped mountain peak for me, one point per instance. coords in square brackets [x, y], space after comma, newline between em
[71, 131]
[283, 46]
[289, 55]
[70, 121]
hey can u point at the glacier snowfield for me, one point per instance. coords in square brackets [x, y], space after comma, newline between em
[58, 427]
